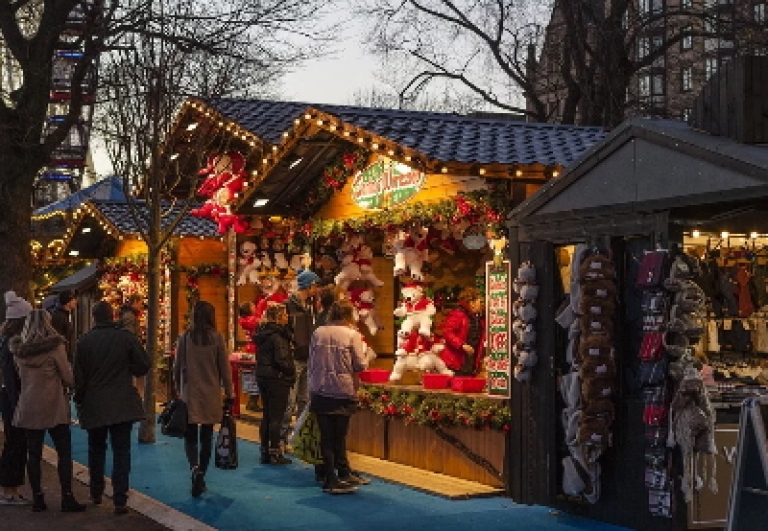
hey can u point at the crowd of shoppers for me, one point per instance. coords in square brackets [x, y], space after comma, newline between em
[309, 352]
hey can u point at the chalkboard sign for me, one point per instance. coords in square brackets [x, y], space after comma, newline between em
[749, 491]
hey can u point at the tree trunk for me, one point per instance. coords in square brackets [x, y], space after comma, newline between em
[147, 426]
[15, 213]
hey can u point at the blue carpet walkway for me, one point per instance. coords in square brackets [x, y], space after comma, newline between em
[262, 498]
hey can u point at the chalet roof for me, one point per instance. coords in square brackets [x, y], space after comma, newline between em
[109, 189]
[119, 215]
[442, 136]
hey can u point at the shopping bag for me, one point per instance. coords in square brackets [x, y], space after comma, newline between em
[298, 425]
[226, 444]
[173, 419]
[306, 445]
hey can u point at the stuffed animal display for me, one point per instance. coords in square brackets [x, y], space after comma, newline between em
[417, 352]
[365, 309]
[224, 177]
[411, 251]
[416, 309]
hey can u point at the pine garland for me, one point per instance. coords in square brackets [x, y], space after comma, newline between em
[487, 207]
[194, 272]
[436, 410]
[335, 176]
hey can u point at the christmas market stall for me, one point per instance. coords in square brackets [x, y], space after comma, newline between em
[403, 212]
[194, 264]
[650, 255]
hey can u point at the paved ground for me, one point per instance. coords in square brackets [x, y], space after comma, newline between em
[93, 519]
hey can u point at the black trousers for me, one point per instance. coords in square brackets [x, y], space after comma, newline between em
[198, 441]
[62, 441]
[274, 395]
[13, 460]
[120, 441]
[333, 444]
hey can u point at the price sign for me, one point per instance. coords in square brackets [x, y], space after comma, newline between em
[499, 344]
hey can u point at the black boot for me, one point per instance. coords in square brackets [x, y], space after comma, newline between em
[70, 505]
[38, 503]
[264, 459]
[198, 482]
[276, 457]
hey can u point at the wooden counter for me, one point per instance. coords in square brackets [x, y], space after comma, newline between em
[421, 447]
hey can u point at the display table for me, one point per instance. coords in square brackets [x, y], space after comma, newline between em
[394, 438]
[238, 362]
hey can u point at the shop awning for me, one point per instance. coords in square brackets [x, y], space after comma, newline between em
[79, 280]
[646, 166]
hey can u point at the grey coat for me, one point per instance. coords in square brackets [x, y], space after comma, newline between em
[107, 360]
[199, 373]
[44, 372]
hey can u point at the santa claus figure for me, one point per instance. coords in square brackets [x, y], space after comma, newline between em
[463, 333]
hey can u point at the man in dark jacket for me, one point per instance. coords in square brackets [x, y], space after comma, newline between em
[301, 323]
[108, 358]
[61, 320]
[130, 314]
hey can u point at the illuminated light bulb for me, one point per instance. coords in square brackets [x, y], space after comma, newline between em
[375, 145]
[696, 233]
[297, 121]
[391, 152]
[444, 169]
[408, 158]
[254, 173]
[555, 173]
[274, 148]
[307, 116]
[320, 122]
[481, 171]
[519, 173]
[361, 140]
[285, 134]
[724, 235]
[753, 235]
[333, 128]
[346, 133]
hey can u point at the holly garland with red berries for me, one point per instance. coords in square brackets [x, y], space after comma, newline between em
[334, 177]
[435, 409]
[194, 272]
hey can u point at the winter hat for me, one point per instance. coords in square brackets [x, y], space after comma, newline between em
[306, 278]
[15, 306]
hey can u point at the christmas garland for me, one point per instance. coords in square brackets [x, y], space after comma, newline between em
[481, 206]
[333, 179]
[436, 410]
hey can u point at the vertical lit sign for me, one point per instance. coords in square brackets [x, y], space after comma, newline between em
[498, 333]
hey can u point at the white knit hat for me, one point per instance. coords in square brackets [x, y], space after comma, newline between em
[15, 306]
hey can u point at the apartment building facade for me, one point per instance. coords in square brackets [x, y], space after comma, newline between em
[698, 37]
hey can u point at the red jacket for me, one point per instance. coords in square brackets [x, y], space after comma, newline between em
[249, 324]
[455, 330]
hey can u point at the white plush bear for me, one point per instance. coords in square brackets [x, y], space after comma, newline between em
[414, 351]
[249, 264]
[350, 272]
[411, 251]
[417, 310]
[301, 261]
[364, 260]
[365, 310]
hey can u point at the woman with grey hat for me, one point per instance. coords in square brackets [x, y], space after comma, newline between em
[14, 457]
[41, 358]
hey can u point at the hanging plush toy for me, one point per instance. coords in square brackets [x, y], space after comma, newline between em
[347, 253]
[249, 264]
[364, 260]
[411, 251]
[224, 179]
[417, 309]
[365, 310]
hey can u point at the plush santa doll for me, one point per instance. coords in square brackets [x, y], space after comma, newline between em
[273, 291]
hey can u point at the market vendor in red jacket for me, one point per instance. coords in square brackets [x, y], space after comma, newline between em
[464, 334]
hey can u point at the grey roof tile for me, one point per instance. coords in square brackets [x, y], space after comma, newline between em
[119, 214]
[442, 136]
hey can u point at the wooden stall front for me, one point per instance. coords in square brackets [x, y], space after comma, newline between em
[341, 185]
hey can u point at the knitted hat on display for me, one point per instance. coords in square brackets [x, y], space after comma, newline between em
[15, 306]
[306, 278]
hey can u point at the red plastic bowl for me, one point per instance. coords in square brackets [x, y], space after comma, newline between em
[435, 381]
[374, 376]
[466, 384]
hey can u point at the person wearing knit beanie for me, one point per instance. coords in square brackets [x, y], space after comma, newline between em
[307, 279]
[15, 306]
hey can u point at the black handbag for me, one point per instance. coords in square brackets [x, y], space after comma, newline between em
[173, 419]
[226, 444]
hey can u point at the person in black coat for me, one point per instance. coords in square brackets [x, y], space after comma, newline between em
[108, 358]
[275, 374]
[13, 459]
